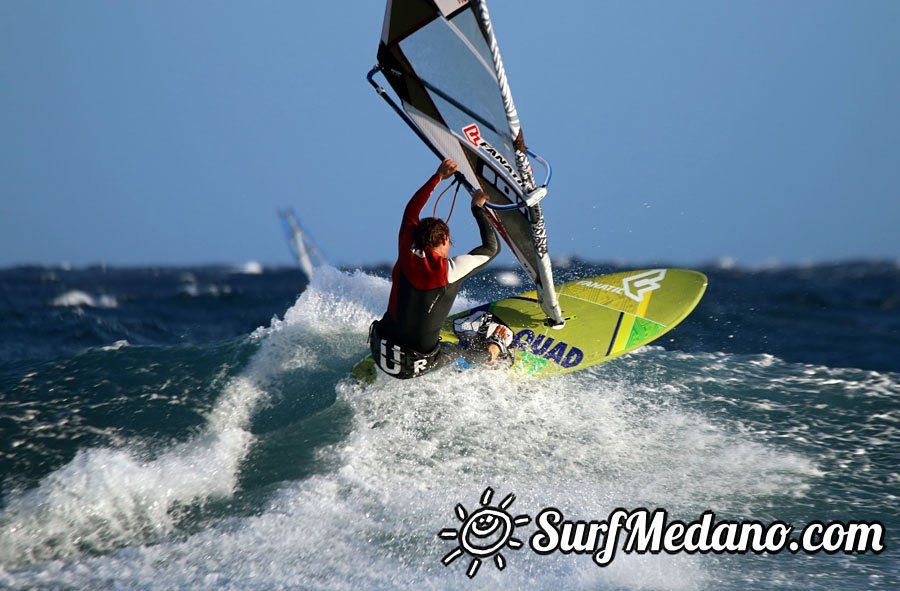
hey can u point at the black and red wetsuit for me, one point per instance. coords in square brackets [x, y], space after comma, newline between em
[424, 287]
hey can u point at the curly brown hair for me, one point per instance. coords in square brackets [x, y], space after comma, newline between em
[430, 233]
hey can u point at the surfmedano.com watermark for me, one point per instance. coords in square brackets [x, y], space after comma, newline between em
[489, 530]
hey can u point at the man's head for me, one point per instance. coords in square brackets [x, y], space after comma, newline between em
[433, 234]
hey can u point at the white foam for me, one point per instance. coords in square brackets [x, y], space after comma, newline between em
[116, 345]
[194, 289]
[726, 263]
[104, 498]
[250, 268]
[509, 279]
[76, 298]
[107, 498]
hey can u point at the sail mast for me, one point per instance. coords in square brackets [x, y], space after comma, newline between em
[512, 116]
[546, 290]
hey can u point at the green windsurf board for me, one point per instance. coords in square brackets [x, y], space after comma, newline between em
[606, 317]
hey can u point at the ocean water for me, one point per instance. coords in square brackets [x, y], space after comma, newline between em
[195, 429]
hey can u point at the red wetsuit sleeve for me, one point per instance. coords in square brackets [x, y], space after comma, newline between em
[412, 211]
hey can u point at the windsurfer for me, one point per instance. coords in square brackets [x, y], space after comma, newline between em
[406, 341]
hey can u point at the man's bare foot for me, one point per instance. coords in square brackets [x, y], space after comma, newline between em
[495, 351]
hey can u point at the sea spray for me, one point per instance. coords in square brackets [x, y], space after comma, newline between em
[107, 498]
[750, 436]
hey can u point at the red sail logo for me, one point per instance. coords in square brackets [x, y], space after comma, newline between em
[473, 134]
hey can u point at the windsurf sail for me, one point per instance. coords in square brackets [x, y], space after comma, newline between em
[302, 247]
[441, 59]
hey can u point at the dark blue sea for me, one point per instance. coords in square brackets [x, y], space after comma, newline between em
[195, 428]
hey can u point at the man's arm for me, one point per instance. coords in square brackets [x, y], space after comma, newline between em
[420, 198]
[460, 267]
[417, 202]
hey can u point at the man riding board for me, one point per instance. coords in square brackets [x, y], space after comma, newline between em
[406, 341]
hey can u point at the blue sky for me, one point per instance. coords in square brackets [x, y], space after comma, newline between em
[171, 132]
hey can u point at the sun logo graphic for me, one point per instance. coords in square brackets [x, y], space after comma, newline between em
[484, 532]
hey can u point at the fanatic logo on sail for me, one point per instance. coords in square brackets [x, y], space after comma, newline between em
[473, 134]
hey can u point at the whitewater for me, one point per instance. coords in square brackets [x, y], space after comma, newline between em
[254, 462]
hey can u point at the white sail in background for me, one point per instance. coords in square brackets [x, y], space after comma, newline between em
[302, 247]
